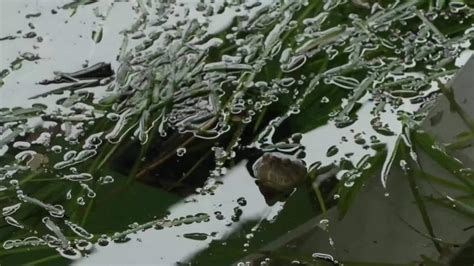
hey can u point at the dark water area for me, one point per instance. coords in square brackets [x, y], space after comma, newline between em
[195, 132]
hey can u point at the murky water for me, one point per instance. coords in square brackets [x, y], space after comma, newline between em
[203, 131]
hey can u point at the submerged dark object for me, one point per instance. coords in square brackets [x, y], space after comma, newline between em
[96, 75]
[97, 71]
[74, 87]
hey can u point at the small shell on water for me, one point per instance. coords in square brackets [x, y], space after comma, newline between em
[278, 171]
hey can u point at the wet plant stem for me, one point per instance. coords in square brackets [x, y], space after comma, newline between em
[418, 198]
[448, 92]
[43, 260]
[162, 159]
[191, 170]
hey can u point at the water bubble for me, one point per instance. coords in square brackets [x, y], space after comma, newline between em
[134, 225]
[69, 194]
[241, 201]
[56, 149]
[324, 224]
[81, 201]
[103, 180]
[83, 245]
[359, 139]
[180, 152]
[90, 193]
[294, 63]
[22, 145]
[9, 244]
[349, 183]
[286, 82]
[103, 241]
[82, 177]
[323, 256]
[11, 221]
[70, 253]
[219, 215]
[9, 210]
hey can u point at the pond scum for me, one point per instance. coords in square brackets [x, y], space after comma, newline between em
[191, 97]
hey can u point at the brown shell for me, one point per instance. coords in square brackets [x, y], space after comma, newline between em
[279, 172]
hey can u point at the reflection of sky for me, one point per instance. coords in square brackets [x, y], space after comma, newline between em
[168, 246]
[67, 44]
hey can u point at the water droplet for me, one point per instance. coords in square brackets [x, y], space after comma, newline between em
[333, 150]
[241, 201]
[22, 145]
[56, 149]
[103, 180]
[82, 177]
[9, 210]
[180, 152]
[81, 201]
[11, 221]
[323, 256]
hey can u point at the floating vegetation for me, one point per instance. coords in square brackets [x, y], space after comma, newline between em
[200, 87]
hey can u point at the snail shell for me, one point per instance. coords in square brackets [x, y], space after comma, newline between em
[279, 172]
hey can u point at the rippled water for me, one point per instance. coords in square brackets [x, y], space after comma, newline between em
[203, 131]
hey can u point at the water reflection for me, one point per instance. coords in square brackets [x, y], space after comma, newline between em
[66, 45]
[200, 89]
[170, 245]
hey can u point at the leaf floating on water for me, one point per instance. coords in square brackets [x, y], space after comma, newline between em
[295, 62]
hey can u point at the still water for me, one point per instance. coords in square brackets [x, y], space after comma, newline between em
[245, 132]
